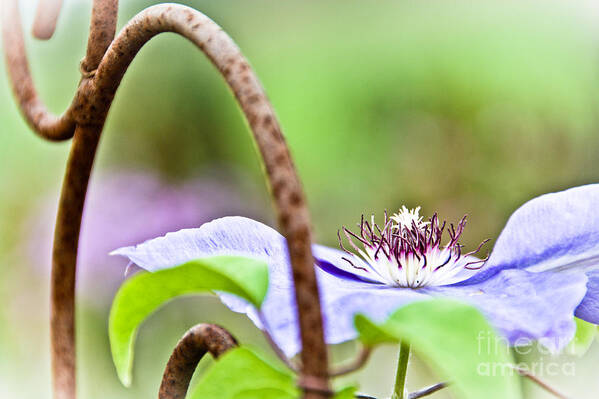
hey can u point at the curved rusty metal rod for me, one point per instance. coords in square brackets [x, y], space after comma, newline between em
[96, 95]
[101, 33]
[44, 123]
[89, 110]
[46, 16]
[199, 340]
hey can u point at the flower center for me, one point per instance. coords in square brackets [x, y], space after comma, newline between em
[407, 251]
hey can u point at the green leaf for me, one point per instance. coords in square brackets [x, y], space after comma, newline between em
[239, 374]
[265, 393]
[456, 341]
[144, 293]
[585, 334]
[346, 393]
[372, 334]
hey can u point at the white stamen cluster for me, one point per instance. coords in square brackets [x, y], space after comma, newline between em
[407, 217]
[407, 252]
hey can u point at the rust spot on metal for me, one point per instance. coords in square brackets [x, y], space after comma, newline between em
[284, 220]
[281, 158]
[276, 134]
[295, 199]
[254, 98]
[243, 67]
[277, 188]
[252, 119]
[267, 120]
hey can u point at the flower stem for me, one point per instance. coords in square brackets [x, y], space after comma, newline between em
[399, 391]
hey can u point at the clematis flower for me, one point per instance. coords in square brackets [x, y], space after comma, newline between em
[543, 270]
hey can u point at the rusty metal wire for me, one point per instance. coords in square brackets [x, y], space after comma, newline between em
[101, 33]
[94, 99]
[46, 17]
[88, 112]
[64, 259]
[199, 340]
[41, 121]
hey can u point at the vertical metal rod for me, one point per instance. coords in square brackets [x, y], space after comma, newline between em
[64, 260]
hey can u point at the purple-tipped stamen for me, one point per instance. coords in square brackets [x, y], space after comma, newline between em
[407, 251]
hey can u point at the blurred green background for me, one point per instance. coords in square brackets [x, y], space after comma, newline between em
[461, 107]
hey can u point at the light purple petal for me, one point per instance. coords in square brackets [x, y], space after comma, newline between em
[232, 235]
[589, 307]
[556, 231]
[334, 261]
[525, 306]
[243, 237]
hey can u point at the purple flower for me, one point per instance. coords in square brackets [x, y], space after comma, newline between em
[123, 208]
[543, 270]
